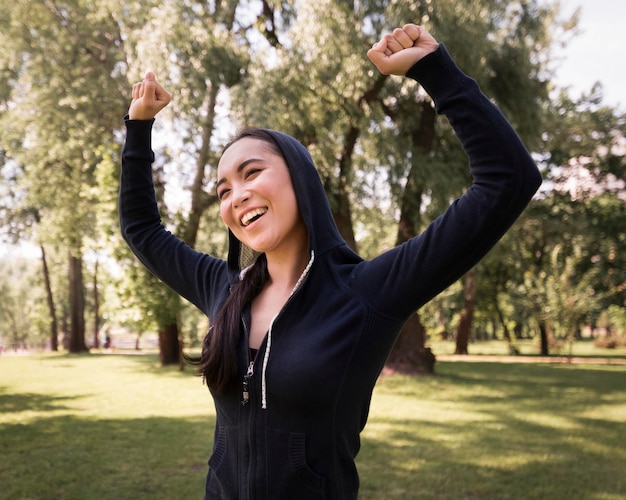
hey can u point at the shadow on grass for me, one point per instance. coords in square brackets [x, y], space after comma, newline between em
[407, 465]
[541, 431]
[32, 402]
[475, 430]
[521, 379]
[67, 457]
[416, 460]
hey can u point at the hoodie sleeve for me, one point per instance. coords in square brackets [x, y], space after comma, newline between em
[505, 178]
[196, 276]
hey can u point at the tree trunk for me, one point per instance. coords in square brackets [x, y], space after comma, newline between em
[65, 327]
[464, 328]
[17, 337]
[77, 305]
[507, 334]
[338, 193]
[96, 309]
[409, 211]
[409, 354]
[545, 350]
[343, 217]
[337, 190]
[169, 345]
[200, 200]
[54, 329]
[170, 342]
[443, 325]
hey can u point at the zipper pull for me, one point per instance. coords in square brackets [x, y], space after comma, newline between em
[246, 384]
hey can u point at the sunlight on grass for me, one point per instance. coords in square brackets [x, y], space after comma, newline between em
[615, 412]
[554, 421]
[120, 426]
[490, 430]
[101, 426]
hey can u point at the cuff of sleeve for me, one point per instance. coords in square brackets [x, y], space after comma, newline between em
[139, 137]
[132, 124]
[438, 74]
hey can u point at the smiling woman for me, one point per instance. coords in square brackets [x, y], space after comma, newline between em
[300, 324]
[258, 202]
[259, 206]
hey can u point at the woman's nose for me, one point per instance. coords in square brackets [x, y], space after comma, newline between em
[240, 196]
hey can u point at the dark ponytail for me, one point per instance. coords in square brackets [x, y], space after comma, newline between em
[218, 361]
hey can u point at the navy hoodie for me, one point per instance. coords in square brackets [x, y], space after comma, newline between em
[311, 385]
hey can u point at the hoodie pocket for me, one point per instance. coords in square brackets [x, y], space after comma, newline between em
[221, 480]
[289, 474]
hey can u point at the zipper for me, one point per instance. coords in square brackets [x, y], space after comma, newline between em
[296, 289]
[245, 396]
[245, 393]
[244, 488]
[245, 386]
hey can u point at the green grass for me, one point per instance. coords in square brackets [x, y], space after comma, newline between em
[120, 427]
[498, 431]
[101, 427]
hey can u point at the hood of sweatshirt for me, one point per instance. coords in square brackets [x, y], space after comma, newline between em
[312, 201]
[315, 210]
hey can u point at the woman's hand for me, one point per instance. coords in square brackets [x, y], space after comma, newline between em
[395, 53]
[149, 97]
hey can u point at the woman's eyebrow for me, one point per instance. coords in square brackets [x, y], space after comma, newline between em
[241, 166]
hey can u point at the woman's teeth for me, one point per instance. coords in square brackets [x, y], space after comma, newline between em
[253, 215]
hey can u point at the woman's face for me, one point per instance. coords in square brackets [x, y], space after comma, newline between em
[257, 200]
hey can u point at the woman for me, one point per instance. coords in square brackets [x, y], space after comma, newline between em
[300, 324]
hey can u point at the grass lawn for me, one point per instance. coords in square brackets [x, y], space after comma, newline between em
[110, 426]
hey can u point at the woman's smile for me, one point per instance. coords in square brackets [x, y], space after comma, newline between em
[252, 216]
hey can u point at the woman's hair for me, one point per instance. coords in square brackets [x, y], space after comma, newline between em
[218, 361]
[256, 133]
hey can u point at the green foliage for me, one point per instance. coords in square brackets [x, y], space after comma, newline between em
[616, 317]
[64, 100]
[63, 107]
[21, 307]
[301, 67]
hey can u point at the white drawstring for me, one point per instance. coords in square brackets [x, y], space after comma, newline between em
[269, 334]
[244, 271]
[266, 359]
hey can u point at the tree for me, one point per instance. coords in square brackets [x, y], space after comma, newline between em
[54, 329]
[63, 99]
[388, 163]
[194, 48]
[21, 303]
[463, 329]
[360, 126]
[586, 160]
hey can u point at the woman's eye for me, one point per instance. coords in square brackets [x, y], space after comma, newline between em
[252, 172]
[222, 194]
